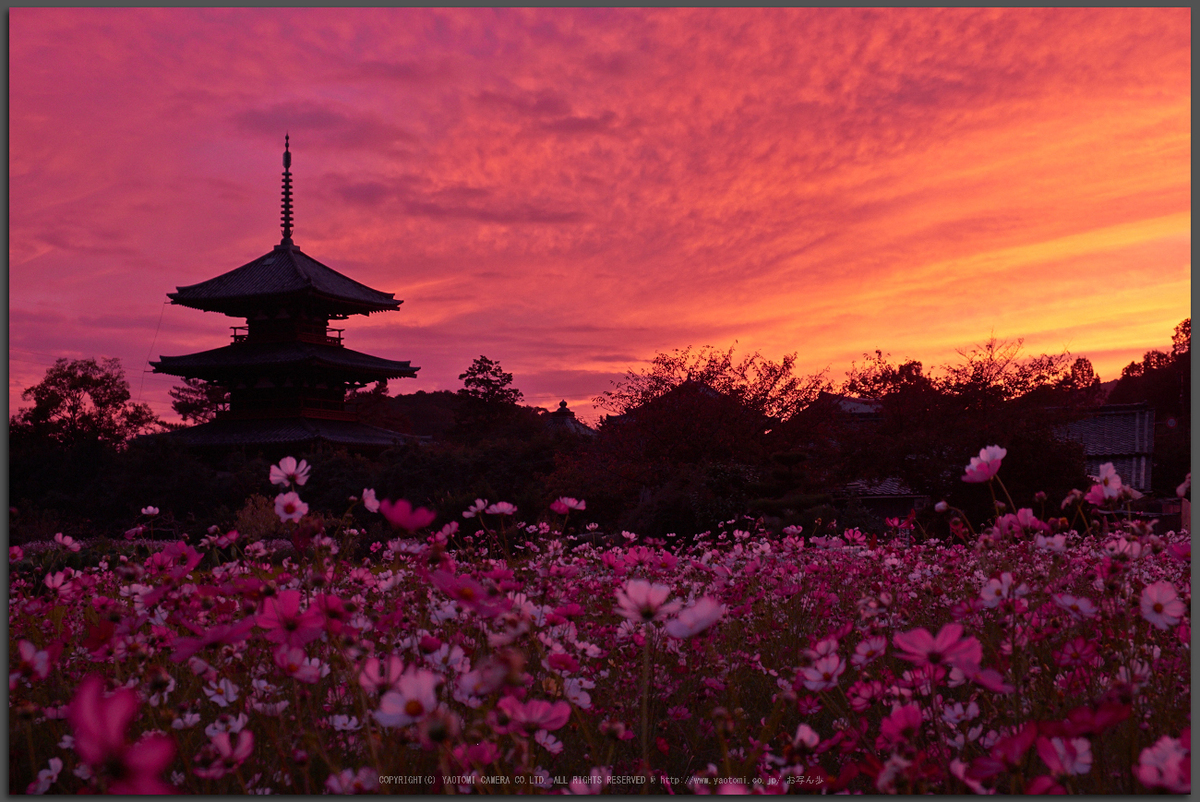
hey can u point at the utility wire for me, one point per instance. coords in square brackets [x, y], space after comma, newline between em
[150, 350]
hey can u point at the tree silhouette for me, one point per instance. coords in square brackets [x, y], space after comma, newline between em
[487, 382]
[198, 401]
[81, 400]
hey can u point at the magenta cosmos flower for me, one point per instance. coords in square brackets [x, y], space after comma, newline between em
[284, 623]
[100, 722]
[1161, 606]
[986, 465]
[289, 472]
[949, 647]
[641, 601]
[564, 504]
[535, 714]
[401, 514]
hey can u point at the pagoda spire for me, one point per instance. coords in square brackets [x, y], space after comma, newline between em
[286, 225]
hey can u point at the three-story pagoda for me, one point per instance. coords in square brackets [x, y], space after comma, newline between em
[287, 370]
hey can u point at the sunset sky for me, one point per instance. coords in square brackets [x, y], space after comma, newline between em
[571, 191]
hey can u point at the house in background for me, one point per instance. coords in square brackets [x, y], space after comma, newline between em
[1122, 434]
[563, 420]
[889, 498]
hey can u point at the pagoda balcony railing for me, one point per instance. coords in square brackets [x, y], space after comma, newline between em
[305, 411]
[331, 336]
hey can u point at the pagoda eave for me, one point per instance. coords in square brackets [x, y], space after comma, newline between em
[247, 305]
[240, 358]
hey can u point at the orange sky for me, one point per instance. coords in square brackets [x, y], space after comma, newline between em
[571, 191]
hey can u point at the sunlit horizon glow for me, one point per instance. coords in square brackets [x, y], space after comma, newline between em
[570, 191]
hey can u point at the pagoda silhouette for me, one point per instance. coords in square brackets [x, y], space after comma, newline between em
[287, 371]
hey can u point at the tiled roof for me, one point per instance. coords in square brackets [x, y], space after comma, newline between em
[888, 487]
[284, 271]
[285, 431]
[1115, 429]
[219, 363]
[850, 405]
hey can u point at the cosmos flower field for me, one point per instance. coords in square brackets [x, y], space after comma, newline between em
[1035, 653]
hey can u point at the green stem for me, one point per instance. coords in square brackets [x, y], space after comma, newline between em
[646, 705]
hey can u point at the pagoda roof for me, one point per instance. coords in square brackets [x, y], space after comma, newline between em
[292, 432]
[220, 363]
[286, 272]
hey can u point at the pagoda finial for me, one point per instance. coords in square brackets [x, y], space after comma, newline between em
[287, 193]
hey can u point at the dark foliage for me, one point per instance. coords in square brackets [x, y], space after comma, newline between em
[682, 456]
[198, 401]
[82, 400]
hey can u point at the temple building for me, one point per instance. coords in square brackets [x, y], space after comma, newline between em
[287, 371]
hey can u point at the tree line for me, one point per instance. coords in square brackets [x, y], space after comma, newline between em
[699, 437]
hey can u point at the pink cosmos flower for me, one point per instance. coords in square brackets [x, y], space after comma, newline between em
[868, 649]
[1182, 490]
[46, 777]
[949, 647]
[479, 506]
[1161, 606]
[284, 622]
[34, 661]
[289, 507]
[15, 554]
[67, 542]
[534, 715]
[501, 508]
[1166, 765]
[369, 500]
[1066, 755]
[1029, 522]
[185, 647]
[595, 783]
[900, 726]
[695, 619]
[414, 698]
[563, 504]
[99, 723]
[288, 472]
[997, 590]
[1056, 544]
[640, 601]
[863, 694]
[221, 692]
[224, 755]
[1079, 608]
[401, 514]
[295, 663]
[986, 465]
[350, 782]
[1109, 481]
[805, 737]
[823, 674]
[470, 593]
[378, 676]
